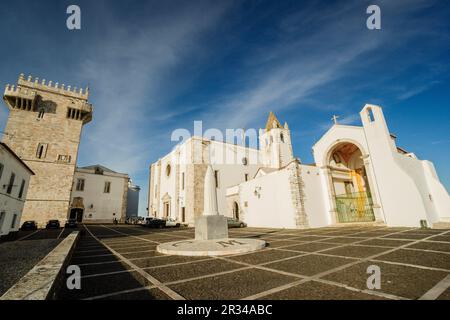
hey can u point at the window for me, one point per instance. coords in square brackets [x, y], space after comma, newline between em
[22, 186]
[41, 150]
[182, 181]
[282, 137]
[107, 187]
[2, 218]
[246, 177]
[216, 177]
[168, 169]
[370, 115]
[13, 222]
[1, 169]
[244, 161]
[11, 183]
[64, 158]
[80, 185]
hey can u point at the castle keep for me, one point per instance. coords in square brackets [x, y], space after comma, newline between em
[44, 130]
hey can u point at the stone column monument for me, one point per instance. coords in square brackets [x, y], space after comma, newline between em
[210, 225]
[211, 231]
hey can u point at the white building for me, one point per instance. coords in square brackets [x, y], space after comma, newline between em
[14, 179]
[359, 176]
[99, 195]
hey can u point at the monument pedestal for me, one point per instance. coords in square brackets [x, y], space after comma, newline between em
[211, 227]
[211, 231]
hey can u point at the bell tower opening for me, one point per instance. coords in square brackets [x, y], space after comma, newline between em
[350, 186]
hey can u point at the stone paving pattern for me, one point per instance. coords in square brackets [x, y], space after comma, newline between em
[120, 262]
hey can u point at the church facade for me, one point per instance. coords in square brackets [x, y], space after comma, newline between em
[359, 176]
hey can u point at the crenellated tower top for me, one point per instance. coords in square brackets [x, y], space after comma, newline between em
[50, 86]
[28, 92]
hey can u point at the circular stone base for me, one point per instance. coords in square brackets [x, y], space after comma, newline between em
[216, 247]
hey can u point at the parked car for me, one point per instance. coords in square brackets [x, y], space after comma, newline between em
[234, 223]
[29, 225]
[145, 221]
[139, 220]
[53, 224]
[155, 223]
[71, 223]
[170, 222]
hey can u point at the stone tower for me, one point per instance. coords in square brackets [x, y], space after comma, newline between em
[275, 143]
[44, 130]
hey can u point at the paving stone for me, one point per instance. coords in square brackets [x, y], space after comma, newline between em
[263, 256]
[355, 251]
[78, 260]
[385, 242]
[192, 270]
[224, 287]
[312, 238]
[140, 255]
[421, 258]
[372, 234]
[311, 247]
[410, 282]
[282, 243]
[103, 268]
[445, 295]
[341, 240]
[403, 235]
[309, 265]
[435, 246]
[100, 285]
[136, 249]
[144, 294]
[162, 260]
[445, 238]
[403, 281]
[313, 290]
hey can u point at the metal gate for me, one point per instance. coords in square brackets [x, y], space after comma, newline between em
[354, 207]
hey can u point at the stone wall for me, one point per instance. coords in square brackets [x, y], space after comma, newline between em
[297, 194]
[49, 191]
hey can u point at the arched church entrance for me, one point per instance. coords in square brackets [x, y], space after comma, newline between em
[350, 186]
[77, 209]
[236, 210]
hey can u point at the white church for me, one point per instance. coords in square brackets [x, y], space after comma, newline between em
[360, 176]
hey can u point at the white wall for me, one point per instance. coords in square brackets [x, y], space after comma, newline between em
[315, 199]
[274, 207]
[224, 157]
[103, 204]
[11, 204]
[404, 184]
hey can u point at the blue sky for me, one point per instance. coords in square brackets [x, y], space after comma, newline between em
[155, 66]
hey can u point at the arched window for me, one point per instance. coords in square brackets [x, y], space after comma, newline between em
[282, 137]
[168, 169]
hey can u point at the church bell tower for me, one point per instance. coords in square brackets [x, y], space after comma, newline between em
[275, 143]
